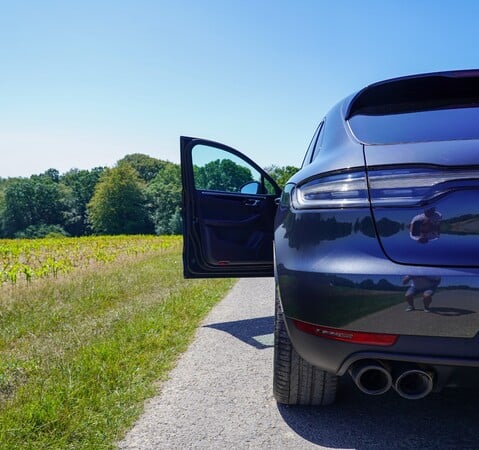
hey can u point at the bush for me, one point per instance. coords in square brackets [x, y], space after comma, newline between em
[41, 231]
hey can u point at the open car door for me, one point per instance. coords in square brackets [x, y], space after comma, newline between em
[229, 204]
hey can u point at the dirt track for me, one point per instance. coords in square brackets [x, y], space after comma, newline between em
[219, 396]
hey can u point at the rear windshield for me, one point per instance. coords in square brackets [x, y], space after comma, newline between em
[422, 126]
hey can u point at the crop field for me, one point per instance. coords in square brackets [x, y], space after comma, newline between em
[29, 259]
[87, 328]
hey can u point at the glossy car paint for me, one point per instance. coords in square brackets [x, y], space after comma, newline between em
[345, 268]
[341, 279]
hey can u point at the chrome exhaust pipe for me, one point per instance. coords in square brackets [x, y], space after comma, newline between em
[371, 377]
[414, 383]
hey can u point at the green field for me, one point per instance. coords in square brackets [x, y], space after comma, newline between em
[82, 346]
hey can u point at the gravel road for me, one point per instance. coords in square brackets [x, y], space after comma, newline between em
[220, 397]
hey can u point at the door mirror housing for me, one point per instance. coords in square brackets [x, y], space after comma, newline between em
[253, 187]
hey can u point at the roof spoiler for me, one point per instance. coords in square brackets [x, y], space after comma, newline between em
[415, 93]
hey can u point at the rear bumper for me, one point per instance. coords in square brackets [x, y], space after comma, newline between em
[332, 272]
[377, 303]
[336, 357]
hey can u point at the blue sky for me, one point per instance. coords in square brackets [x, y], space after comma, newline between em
[85, 83]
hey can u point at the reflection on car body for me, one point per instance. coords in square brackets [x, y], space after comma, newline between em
[420, 285]
[426, 227]
[388, 188]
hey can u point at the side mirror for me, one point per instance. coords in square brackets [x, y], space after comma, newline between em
[252, 187]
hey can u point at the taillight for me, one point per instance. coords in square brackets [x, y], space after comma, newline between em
[356, 337]
[345, 190]
[413, 186]
[402, 186]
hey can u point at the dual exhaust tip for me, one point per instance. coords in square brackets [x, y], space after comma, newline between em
[377, 377]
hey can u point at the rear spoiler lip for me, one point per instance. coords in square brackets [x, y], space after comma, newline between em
[351, 109]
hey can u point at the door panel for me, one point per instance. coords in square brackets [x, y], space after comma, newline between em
[228, 212]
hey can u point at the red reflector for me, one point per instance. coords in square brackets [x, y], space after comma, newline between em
[357, 337]
[223, 263]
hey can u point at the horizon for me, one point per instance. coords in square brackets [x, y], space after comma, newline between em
[104, 166]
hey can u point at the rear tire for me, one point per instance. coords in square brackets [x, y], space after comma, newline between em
[295, 381]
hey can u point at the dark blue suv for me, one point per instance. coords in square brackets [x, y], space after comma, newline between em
[374, 243]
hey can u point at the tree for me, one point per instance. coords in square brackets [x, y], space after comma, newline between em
[79, 186]
[146, 166]
[165, 193]
[281, 174]
[31, 201]
[52, 174]
[2, 211]
[221, 175]
[119, 204]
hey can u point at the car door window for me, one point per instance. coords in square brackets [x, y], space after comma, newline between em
[215, 169]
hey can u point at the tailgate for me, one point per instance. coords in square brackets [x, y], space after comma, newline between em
[425, 201]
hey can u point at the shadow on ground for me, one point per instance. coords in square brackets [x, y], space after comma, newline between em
[256, 332]
[452, 312]
[446, 420]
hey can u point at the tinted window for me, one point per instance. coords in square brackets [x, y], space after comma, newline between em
[423, 126]
[319, 142]
[309, 152]
[215, 169]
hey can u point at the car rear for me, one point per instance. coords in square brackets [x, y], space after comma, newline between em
[360, 240]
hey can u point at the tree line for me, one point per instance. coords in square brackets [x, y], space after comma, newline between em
[139, 195]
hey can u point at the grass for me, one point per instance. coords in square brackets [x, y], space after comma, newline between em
[79, 354]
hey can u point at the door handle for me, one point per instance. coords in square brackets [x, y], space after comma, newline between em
[251, 202]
